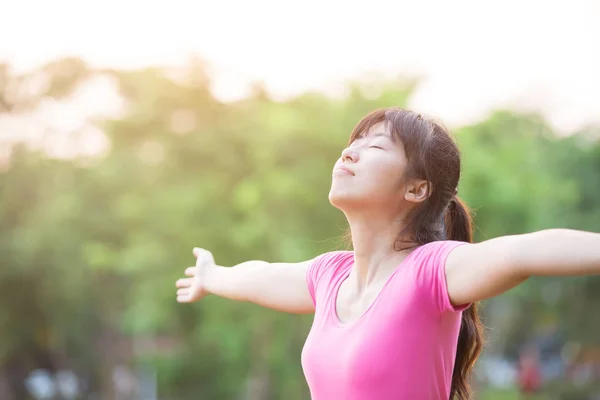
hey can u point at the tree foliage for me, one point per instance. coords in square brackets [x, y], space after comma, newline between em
[91, 250]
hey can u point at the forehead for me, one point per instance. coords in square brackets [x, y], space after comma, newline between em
[371, 129]
[378, 129]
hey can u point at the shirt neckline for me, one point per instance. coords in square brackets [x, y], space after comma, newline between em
[336, 290]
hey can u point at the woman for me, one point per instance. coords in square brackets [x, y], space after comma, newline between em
[396, 318]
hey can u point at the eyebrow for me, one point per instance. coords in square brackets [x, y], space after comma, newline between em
[381, 134]
[377, 134]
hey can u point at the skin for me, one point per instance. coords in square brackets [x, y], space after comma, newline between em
[375, 201]
[369, 188]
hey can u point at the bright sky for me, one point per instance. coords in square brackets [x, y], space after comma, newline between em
[475, 55]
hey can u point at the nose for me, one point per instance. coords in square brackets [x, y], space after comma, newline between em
[349, 155]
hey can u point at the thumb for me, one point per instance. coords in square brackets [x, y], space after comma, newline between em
[203, 256]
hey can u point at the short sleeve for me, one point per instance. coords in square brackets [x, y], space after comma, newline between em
[432, 274]
[321, 271]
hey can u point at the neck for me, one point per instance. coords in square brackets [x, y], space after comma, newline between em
[373, 238]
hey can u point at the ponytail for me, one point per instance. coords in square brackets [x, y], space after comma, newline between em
[459, 227]
[458, 221]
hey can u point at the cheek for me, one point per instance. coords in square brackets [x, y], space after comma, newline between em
[386, 174]
[382, 186]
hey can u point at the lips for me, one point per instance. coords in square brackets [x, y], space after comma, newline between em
[343, 169]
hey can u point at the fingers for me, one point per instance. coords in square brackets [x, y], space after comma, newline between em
[184, 283]
[183, 293]
[183, 299]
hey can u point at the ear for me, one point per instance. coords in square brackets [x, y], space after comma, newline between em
[417, 191]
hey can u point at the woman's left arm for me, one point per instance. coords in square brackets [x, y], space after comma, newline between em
[483, 270]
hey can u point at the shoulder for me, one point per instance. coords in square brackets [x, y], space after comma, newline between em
[328, 265]
[430, 258]
[331, 261]
[325, 268]
[430, 271]
[436, 252]
[335, 256]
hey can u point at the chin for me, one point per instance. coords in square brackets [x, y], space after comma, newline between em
[344, 201]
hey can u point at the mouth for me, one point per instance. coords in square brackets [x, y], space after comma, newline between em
[343, 171]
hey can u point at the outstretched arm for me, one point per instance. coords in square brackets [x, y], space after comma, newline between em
[487, 269]
[279, 286]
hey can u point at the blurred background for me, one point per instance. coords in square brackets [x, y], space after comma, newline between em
[131, 132]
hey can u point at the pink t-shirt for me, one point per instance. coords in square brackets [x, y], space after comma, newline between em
[402, 347]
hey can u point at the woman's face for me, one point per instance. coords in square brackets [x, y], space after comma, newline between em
[370, 172]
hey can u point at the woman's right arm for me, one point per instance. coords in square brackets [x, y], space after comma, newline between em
[279, 286]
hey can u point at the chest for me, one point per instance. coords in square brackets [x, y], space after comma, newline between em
[363, 341]
[371, 322]
[349, 306]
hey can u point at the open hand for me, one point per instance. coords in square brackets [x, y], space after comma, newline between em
[192, 289]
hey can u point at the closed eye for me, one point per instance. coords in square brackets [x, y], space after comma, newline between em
[376, 147]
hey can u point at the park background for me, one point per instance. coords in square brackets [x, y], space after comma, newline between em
[131, 132]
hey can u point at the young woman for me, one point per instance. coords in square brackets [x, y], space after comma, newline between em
[396, 318]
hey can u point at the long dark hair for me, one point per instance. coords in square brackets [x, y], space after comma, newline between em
[434, 156]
